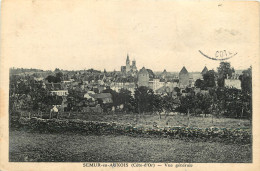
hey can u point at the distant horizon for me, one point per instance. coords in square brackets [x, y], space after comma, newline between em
[215, 69]
[118, 68]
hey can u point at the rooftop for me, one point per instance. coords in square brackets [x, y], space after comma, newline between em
[183, 70]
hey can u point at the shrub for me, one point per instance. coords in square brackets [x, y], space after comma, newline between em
[238, 135]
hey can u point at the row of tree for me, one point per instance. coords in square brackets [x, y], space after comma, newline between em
[224, 71]
[220, 101]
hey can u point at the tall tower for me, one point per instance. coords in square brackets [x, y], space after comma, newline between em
[204, 71]
[128, 68]
[183, 78]
[143, 77]
[134, 65]
[164, 74]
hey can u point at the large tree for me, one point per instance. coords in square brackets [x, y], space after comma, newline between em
[52, 79]
[204, 103]
[169, 104]
[199, 83]
[116, 100]
[187, 104]
[144, 97]
[151, 74]
[224, 71]
[209, 78]
[126, 99]
[59, 76]
[76, 100]
[246, 80]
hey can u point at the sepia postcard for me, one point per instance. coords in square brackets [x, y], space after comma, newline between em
[129, 85]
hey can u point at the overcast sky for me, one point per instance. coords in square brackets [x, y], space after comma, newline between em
[99, 34]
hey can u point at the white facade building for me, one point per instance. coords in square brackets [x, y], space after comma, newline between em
[156, 84]
[60, 92]
[233, 83]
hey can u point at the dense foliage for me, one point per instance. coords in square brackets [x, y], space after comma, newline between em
[55, 79]
[224, 71]
[30, 95]
[239, 135]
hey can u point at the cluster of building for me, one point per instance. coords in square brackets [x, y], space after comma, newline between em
[93, 83]
[129, 78]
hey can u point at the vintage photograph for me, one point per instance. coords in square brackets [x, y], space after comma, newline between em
[130, 81]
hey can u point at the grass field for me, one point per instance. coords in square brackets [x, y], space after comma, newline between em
[32, 147]
[175, 120]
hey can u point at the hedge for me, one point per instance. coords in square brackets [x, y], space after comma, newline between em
[227, 135]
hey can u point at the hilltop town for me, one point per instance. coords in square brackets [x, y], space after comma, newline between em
[206, 106]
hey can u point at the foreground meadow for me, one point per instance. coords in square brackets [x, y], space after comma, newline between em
[39, 147]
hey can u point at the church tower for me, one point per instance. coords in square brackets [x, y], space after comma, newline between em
[128, 68]
[134, 66]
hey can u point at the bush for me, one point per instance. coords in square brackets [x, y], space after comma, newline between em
[239, 135]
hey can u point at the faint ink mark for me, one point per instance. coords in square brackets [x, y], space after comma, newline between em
[220, 55]
[232, 32]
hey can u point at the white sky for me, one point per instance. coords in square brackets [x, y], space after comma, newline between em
[98, 34]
